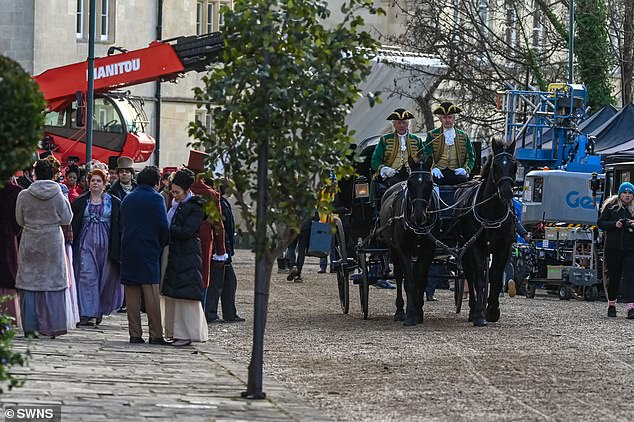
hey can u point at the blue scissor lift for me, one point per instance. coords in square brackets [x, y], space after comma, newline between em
[544, 125]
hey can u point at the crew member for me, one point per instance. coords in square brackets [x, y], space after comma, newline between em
[617, 219]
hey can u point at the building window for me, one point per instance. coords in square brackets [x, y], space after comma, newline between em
[103, 14]
[104, 20]
[80, 19]
[205, 119]
[208, 17]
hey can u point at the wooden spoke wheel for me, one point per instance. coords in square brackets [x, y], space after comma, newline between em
[343, 276]
[364, 285]
[458, 292]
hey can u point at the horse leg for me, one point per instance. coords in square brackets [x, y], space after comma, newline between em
[420, 291]
[474, 265]
[424, 265]
[410, 291]
[469, 283]
[496, 273]
[398, 275]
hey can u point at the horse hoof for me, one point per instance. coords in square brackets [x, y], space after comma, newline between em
[493, 315]
[409, 322]
[399, 316]
[479, 322]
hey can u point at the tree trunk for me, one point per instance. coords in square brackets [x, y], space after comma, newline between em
[627, 64]
[263, 266]
[424, 105]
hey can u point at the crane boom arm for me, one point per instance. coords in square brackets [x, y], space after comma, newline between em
[161, 60]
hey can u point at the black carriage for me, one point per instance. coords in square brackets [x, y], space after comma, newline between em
[362, 256]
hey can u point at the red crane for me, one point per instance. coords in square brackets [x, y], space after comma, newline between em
[119, 119]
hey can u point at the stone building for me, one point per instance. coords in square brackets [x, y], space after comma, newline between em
[45, 34]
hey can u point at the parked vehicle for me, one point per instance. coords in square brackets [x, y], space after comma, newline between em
[119, 122]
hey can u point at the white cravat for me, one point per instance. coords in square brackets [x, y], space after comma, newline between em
[403, 138]
[450, 136]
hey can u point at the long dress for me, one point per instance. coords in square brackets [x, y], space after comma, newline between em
[42, 277]
[98, 279]
[9, 240]
[72, 307]
[183, 318]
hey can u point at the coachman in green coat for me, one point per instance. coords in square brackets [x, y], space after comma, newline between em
[453, 151]
[390, 156]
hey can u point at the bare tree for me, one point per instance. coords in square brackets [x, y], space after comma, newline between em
[487, 45]
[621, 31]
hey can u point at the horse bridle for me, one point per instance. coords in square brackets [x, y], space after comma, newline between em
[424, 201]
[495, 223]
[427, 228]
[509, 178]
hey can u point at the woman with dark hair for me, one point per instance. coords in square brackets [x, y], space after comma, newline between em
[72, 308]
[9, 239]
[42, 277]
[96, 249]
[71, 181]
[182, 283]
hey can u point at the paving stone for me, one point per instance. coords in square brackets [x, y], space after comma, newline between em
[96, 374]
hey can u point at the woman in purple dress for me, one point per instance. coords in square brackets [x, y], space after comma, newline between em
[96, 245]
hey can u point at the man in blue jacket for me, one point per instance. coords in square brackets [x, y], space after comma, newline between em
[144, 233]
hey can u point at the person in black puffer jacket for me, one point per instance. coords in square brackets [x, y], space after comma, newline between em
[182, 283]
[617, 219]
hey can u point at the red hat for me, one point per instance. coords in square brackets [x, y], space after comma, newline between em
[196, 162]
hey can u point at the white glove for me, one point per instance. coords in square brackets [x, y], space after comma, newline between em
[460, 172]
[437, 173]
[219, 258]
[387, 172]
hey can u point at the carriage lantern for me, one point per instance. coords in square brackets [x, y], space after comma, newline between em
[361, 187]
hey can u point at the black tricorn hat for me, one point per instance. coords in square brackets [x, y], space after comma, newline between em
[400, 114]
[446, 108]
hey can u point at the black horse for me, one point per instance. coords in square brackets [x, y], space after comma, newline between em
[404, 224]
[486, 223]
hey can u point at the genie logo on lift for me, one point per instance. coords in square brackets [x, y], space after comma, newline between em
[116, 68]
[575, 200]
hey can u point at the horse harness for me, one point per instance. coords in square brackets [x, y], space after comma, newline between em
[406, 204]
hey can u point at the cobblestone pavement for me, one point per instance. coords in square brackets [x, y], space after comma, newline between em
[96, 374]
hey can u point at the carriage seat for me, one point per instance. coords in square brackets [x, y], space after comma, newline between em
[446, 193]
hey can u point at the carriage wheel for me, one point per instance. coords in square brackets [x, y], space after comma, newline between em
[364, 285]
[458, 292]
[343, 279]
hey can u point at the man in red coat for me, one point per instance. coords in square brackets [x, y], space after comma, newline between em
[211, 230]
